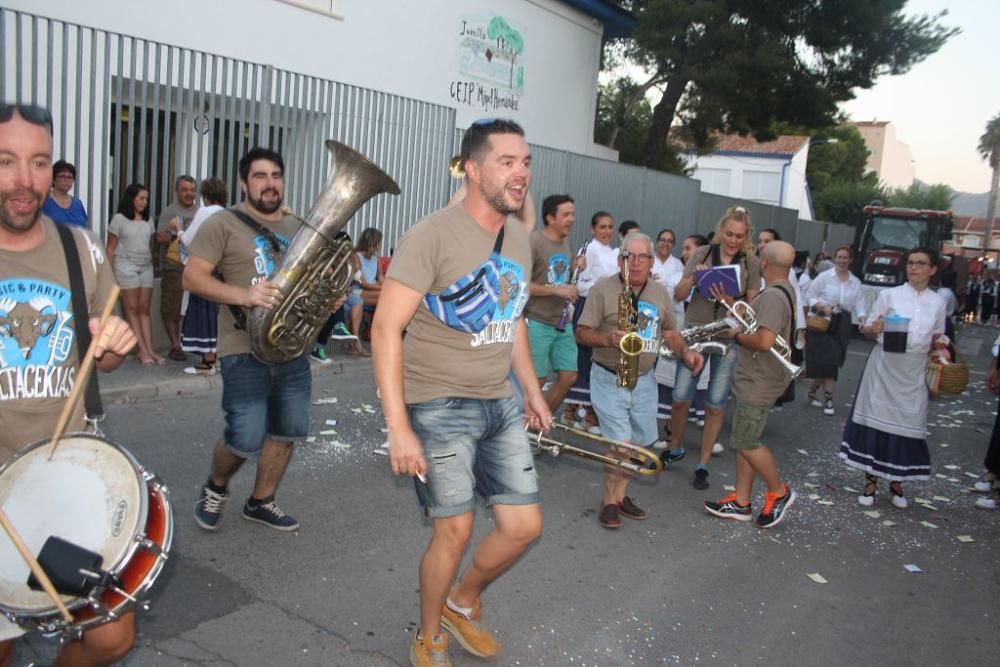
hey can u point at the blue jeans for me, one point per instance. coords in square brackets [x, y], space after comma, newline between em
[262, 400]
[628, 415]
[473, 446]
[720, 380]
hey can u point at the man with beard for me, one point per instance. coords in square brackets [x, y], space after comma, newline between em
[171, 224]
[266, 406]
[33, 271]
[456, 286]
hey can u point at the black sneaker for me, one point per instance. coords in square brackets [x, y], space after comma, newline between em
[775, 508]
[269, 514]
[208, 509]
[728, 508]
[700, 479]
[672, 456]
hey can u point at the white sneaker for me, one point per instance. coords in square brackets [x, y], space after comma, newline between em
[700, 422]
[983, 485]
[990, 502]
[717, 448]
[659, 445]
[900, 502]
[816, 403]
[868, 501]
[594, 430]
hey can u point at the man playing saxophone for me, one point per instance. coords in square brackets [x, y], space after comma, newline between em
[626, 406]
[758, 380]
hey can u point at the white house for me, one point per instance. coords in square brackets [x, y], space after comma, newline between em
[770, 172]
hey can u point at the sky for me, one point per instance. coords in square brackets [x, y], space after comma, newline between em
[941, 107]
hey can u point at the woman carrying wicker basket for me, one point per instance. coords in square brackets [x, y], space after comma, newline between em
[886, 433]
[831, 298]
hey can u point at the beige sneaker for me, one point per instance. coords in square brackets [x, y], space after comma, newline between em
[430, 652]
[473, 637]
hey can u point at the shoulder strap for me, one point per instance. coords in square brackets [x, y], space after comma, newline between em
[791, 302]
[259, 228]
[81, 319]
[498, 244]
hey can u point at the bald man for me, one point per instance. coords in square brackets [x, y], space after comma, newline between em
[758, 381]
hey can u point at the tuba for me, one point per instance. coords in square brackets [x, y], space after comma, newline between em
[316, 269]
[630, 346]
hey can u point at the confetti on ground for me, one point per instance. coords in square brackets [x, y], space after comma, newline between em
[952, 466]
[810, 485]
[817, 578]
[381, 452]
[367, 407]
[888, 523]
[331, 422]
[813, 474]
[803, 452]
[965, 538]
[311, 438]
[384, 445]
[921, 500]
[325, 401]
[340, 445]
[972, 475]
[944, 445]
[813, 496]
[940, 476]
[329, 431]
[384, 430]
[942, 499]
[824, 502]
[356, 411]
[728, 487]
[850, 490]
[873, 514]
[952, 479]
[928, 506]
[913, 569]
[928, 524]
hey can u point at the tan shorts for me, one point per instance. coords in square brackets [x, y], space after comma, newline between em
[171, 293]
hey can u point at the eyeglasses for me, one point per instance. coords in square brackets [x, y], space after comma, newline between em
[33, 114]
[640, 257]
[665, 242]
[66, 175]
[916, 263]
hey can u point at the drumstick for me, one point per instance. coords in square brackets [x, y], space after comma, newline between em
[82, 376]
[35, 567]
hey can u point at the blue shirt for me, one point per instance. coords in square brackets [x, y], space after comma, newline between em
[76, 214]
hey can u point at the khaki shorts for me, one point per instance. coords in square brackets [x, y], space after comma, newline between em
[748, 425]
[170, 293]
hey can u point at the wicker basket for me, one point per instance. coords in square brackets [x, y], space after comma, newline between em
[954, 377]
[817, 322]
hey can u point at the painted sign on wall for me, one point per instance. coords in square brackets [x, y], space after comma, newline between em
[490, 63]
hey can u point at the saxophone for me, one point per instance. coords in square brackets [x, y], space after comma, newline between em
[630, 346]
[316, 268]
[700, 338]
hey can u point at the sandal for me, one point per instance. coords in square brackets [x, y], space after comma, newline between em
[868, 499]
[898, 499]
[201, 369]
[828, 403]
[811, 396]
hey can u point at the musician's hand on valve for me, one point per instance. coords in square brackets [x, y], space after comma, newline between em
[406, 455]
[568, 292]
[615, 338]
[264, 294]
[580, 264]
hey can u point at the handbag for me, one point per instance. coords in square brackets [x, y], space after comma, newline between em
[818, 322]
[948, 378]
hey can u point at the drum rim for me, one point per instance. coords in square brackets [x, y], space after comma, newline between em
[72, 603]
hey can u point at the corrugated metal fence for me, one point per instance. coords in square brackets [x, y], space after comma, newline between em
[132, 110]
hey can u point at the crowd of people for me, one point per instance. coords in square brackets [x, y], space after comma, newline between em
[481, 324]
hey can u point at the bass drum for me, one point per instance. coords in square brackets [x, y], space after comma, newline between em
[94, 494]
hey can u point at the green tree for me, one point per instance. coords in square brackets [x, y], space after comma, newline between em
[989, 148]
[741, 65]
[623, 120]
[932, 197]
[837, 155]
[844, 201]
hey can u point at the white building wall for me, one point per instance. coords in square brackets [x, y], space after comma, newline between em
[412, 48]
[897, 161]
[775, 181]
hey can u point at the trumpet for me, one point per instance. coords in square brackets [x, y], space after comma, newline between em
[747, 318]
[638, 460]
[456, 168]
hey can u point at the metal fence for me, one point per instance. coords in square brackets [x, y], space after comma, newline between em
[130, 110]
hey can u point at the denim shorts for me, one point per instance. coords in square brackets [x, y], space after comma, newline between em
[748, 425]
[473, 446]
[353, 297]
[624, 414]
[263, 400]
[551, 349]
[720, 380]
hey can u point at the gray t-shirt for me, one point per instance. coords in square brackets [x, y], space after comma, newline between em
[38, 347]
[702, 310]
[656, 315]
[551, 264]
[133, 239]
[244, 258]
[441, 362]
[175, 210]
[758, 378]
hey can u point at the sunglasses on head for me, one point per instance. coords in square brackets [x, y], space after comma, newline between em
[33, 114]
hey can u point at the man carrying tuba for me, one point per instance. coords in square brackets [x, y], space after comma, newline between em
[626, 407]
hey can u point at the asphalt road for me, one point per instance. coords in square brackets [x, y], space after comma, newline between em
[681, 588]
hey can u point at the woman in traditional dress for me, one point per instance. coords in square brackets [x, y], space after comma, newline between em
[885, 435]
[831, 295]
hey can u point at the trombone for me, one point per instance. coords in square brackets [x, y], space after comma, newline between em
[747, 318]
[638, 460]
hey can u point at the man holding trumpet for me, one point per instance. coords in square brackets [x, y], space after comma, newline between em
[628, 414]
[758, 380]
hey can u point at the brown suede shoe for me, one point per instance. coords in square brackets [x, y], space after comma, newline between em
[177, 354]
[631, 510]
[609, 516]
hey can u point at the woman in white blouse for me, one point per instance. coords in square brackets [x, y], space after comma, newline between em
[886, 433]
[833, 294]
[602, 260]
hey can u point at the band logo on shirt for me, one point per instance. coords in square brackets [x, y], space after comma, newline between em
[36, 339]
[264, 261]
[512, 296]
[558, 269]
[648, 326]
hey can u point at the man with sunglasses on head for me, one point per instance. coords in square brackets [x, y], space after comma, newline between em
[456, 286]
[36, 312]
[628, 414]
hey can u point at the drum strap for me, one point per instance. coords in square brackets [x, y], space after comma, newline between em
[81, 316]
